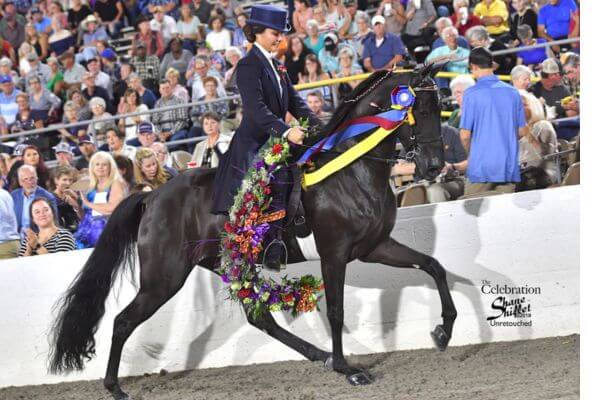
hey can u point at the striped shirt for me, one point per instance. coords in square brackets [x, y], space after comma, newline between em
[62, 240]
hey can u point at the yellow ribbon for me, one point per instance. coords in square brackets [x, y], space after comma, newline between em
[346, 158]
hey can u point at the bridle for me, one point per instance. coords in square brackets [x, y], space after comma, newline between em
[414, 147]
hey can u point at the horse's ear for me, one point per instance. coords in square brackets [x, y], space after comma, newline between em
[431, 70]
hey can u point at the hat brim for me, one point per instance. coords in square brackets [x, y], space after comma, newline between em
[286, 29]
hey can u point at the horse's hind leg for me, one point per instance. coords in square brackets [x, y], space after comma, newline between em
[267, 324]
[151, 296]
[392, 253]
[334, 274]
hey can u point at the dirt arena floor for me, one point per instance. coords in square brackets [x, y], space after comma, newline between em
[540, 369]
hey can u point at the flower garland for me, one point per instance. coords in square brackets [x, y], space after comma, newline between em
[242, 244]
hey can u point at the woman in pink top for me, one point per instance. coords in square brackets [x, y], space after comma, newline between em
[302, 13]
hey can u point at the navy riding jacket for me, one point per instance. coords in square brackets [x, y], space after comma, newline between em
[263, 115]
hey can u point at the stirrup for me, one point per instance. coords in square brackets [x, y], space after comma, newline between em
[283, 265]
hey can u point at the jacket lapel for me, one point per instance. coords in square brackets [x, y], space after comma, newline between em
[267, 65]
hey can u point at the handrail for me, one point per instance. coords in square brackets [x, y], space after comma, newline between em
[299, 87]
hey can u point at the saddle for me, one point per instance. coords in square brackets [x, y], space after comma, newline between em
[295, 220]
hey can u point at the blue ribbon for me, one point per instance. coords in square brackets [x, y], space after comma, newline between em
[402, 99]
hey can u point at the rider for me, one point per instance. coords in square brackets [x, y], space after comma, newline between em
[267, 95]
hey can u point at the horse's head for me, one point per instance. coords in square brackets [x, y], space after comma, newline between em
[422, 140]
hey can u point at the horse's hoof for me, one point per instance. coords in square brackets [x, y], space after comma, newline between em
[360, 378]
[440, 338]
[329, 363]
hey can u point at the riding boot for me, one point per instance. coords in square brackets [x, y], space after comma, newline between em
[275, 249]
[275, 256]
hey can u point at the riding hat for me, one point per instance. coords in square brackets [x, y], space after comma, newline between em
[270, 17]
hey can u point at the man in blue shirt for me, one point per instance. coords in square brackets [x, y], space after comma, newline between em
[24, 196]
[554, 19]
[492, 120]
[42, 24]
[382, 50]
[8, 99]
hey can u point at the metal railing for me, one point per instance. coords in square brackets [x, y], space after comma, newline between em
[299, 87]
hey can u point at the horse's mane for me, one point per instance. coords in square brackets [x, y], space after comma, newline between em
[340, 113]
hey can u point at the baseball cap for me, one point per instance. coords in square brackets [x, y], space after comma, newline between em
[85, 139]
[145, 127]
[550, 66]
[109, 54]
[5, 79]
[19, 150]
[63, 147]
[481, 57]
[378, 19]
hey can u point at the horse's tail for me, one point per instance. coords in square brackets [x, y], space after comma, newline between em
[82, 306]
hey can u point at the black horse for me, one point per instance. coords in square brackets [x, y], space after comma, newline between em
[351, 214]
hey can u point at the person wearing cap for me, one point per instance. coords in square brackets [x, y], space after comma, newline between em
[152, 41]
[42, 23]
[146, 135]
[38, 69]
[63, 153]
[267, 96]
[87, 148]
[110, 66]
[101, 79]
[93, 32]
[110, 14]
[12, 25]
[491, 123]
[147, 66]
[8, 99]
[382, 50]
[73, 72]
[552, 90]
[329, 54]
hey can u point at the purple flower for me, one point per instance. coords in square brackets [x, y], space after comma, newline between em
[225, 278]
[260, 164]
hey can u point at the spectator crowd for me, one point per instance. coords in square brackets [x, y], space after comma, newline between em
[94, 101]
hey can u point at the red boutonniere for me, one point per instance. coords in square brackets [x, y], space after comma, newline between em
[282, 72]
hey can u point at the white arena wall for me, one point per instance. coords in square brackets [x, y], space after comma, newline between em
[523, 239]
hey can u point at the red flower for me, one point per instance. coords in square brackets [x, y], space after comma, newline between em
[248, 197]
[277, 148]
[229, 228]
[242, 294]
[267, 190]
[286, 298]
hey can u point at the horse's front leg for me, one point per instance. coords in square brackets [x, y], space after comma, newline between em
[334, 275]
[392, 253]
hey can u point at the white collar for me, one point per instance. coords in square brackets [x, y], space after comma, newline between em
[264, 52]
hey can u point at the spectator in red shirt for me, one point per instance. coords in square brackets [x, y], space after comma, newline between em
[6, 50]
[462, 18]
